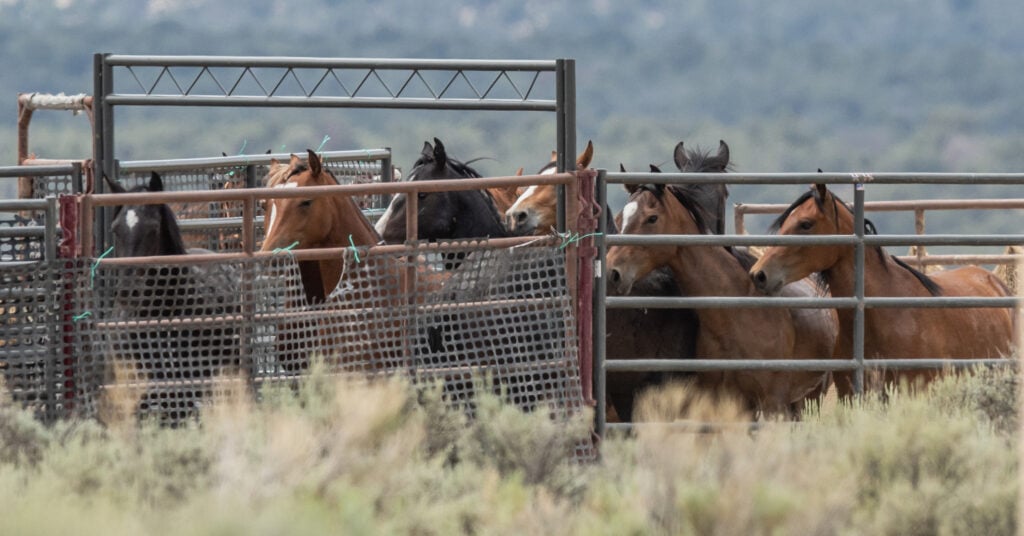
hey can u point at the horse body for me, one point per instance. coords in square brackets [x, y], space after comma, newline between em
[723, 333]
[888, 332]
[169, 292]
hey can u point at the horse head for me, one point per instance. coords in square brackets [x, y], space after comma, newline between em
[145, 230]
[442, 215]
[536, 209]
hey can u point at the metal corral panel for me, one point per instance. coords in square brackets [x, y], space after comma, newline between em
[172, 336]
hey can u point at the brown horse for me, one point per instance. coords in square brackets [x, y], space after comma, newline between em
[534, 211]
[724, 333]
[324, 221]
[888, 333]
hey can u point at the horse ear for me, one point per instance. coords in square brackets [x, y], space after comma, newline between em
[631, 188]
[427, 150]
[315, 166]
[114, 185]
[268, 151]
[584, 159]
[655, 169]
[294, 161]
[440, 157]
[222, 153]
[519, 173]
[821, 189]
[156, 184]
[680, 156]
[622, 168]
[723, 153]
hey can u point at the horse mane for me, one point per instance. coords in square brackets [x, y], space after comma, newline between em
[700, 217]
[929, 284]
[170, 229]
[707, 195]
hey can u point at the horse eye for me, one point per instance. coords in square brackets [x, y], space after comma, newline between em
[652, 218]
[306, 203]
[806, 225]
[421, 195]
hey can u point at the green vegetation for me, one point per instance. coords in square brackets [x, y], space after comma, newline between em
[380, 458]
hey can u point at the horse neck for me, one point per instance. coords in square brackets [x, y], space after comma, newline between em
[348, 222]
[709, 271]
[480, 218]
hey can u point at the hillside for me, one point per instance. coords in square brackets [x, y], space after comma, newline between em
[872, 85]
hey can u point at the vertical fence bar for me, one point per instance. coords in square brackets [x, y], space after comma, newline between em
[858, 287]
[386, 175]
[50, 230]
[600, 292]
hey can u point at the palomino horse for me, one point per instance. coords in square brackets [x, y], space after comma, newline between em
[724, 333]
[888, 333]
[443, 215]
[535, 209]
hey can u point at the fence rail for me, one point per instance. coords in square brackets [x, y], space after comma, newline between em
[858, 302]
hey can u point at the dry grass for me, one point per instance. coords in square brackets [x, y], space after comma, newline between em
[381, 458]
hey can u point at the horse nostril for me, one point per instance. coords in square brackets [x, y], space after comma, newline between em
[760, 278]
[521, 218]
[615, 276]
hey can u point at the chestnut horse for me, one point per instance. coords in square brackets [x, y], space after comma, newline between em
[535, 210]
[724, 333]
[324, 221]
[888, 333]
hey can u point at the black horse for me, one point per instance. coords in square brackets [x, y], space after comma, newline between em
[148, 295]
[443, 215]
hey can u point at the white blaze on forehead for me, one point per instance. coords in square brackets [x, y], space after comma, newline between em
[628, 212]
[273, 207]
[382, 223]
[131, 218]
[549, 171]
[515, 206]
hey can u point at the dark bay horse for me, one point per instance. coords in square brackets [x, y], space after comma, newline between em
[443, 215]
[724, 333]
[170, 291]
[888, 332]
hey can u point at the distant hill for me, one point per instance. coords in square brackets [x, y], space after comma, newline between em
[793, 86]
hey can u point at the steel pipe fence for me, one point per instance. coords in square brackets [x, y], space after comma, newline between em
[858, 302]
[919, 207]
[238, 81]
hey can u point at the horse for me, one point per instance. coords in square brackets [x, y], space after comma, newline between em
[724, 333]
[169, 292]
[628, 329]
[888, 332]
[324, 221]
[359, 302]
[534, 211]
[443, 215]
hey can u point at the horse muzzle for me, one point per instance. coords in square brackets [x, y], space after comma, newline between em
[766, 282]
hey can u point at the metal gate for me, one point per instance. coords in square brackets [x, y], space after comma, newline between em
[859, 302]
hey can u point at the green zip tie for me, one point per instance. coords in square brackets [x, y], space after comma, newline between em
[352, 245]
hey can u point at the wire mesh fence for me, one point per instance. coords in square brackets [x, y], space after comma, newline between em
[168, 338]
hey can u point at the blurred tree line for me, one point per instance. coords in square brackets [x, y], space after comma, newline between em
[794, 86]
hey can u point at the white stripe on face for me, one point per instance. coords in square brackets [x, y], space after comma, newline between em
[273, 208]
[515, 206]
[131, 218]
[382, 223]
[628, 212]
[549, 171]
